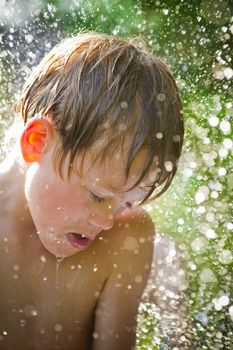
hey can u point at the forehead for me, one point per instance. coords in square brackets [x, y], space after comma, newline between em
[111, 172]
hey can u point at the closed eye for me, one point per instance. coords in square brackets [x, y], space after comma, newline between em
[97, 199]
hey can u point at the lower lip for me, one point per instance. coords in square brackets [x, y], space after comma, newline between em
[78, 243]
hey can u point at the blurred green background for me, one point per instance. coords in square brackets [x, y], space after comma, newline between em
[195, 39]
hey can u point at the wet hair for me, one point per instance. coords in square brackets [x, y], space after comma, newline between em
[100, 87]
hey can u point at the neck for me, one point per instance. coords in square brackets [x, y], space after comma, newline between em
[13, 204]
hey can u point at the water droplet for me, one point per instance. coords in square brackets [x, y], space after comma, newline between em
[176, 138]
[202, 194]
[225, 127]
[220, 302]
[153, 175]
[213, 121]
[159, 135]
[222, 171]
[161, 97]
[210, 233]
[224, 300]
[218, 335]
[168, 166]
[207, 276]
[51, 235]
[22, 323]
[30, 311]
[138, 279]
[225, 257]
[28, 38]
[43, 259]
[58, 263]
[228, 72]
[227, 143]
[180, 221]
[130, 243]
[229, 226]
[58, 327]
[210, 217]
[124, 105]
[231, 312]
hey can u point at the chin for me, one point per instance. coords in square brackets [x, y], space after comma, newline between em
[58, 250]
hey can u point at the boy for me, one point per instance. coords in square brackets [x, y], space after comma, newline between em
[103, 129]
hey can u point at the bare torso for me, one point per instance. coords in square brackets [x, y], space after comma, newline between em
[47, 305]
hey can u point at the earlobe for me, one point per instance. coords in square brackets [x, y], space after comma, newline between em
[35, 138]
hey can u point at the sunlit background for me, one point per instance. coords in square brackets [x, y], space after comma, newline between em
[195, 38]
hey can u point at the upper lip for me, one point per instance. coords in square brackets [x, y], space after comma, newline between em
[89, 235]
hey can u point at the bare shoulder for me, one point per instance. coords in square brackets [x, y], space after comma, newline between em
[134, 243]
[130, 251]
[135, 222]
[131, 240]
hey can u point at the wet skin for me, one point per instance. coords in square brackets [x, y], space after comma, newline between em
[94, 303]
[98, 290]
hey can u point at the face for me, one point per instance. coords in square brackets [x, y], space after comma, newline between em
[69, 214]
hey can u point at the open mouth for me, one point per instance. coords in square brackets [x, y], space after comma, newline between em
[78, 240]
[79, 235]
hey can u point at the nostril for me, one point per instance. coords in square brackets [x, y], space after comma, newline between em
[128, 205]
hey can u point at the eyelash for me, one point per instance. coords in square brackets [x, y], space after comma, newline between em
[97, 199]
[101, 200]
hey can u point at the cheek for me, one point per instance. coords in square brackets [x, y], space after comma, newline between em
[42, 195]
[54, 202]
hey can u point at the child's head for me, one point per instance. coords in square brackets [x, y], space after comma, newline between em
[99, 90]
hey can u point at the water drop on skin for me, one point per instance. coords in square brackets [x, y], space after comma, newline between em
[30, 311]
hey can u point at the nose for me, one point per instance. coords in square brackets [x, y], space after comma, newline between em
[105, 222]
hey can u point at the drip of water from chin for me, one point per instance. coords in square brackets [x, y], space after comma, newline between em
[58, 263]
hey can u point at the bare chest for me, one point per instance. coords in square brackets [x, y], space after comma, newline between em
[45, 304]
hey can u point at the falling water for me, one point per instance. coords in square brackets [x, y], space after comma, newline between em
[58, 264]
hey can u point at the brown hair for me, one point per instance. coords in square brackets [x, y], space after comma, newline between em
[99, 86]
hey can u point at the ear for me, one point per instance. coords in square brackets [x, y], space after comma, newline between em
[35, 137]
